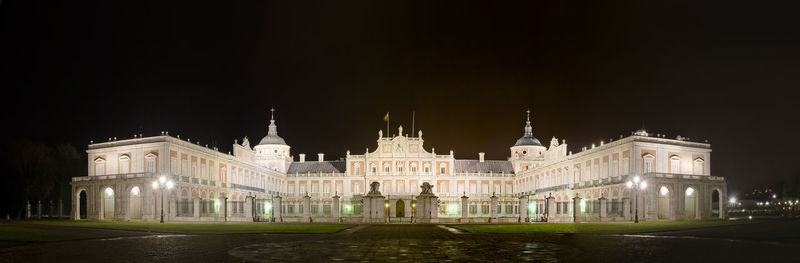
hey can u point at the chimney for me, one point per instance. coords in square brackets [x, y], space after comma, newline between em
[302, 157]
[480, 156]
[321, 157]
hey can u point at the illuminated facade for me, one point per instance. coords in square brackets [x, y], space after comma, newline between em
[266, 183]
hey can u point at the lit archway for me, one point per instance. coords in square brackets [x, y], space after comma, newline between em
[108, 203]
[663, 203]
[135, 203]
[715, 203]
[690, 203]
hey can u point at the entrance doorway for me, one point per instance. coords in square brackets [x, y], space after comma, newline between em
[401, 209]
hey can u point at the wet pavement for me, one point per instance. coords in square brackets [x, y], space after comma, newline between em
[413, 243]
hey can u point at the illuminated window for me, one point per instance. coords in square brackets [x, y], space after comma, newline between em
[124, 164]
[99, 166]
[698, 166]
[648, 163]
[150, 163]
[675, 164]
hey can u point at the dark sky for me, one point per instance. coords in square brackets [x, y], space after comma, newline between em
[73, 71]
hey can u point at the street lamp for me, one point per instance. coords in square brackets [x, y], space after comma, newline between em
[636, 185]
[162, 183]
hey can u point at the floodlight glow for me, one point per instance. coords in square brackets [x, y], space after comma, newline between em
[452, 208]
[267, 206]
[531, 207]
[155, 185]
[629, 184]
[689, 191]
[774, 196]
[664, 190]
[643, 185]
[733, 200]
[135, 191]
[636, 179]
[169, 185]
[749, 217]
[109, 192]
[162, 179]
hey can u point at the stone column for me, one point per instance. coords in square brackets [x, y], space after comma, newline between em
[307, 208]
[493, 208]
[434, 206]
[27, 209]
[277, 207]
[39, 209]
[523, 209]
[421, 213]
[550, 208]
[60, 208]
[464, 208]
[367, 207]
[379, 207]
[196, 204]
[407, 210]
[626, 208]
[51, 210]
[249, 208]
[224, 208]
[335, 210]
[603, 207]
[576, 208]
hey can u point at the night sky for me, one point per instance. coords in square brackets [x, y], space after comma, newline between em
[74, 71]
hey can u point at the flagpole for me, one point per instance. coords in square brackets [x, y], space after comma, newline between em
[412, 125]
[387, 125]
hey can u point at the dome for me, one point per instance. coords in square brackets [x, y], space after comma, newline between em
[270, 139]
[528, 141]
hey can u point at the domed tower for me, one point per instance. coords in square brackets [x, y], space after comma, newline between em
[272, 151]
[528, 152]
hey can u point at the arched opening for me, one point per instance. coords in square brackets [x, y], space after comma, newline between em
[663, 203]
[108, 203]
[81, 205]
[135, 203]
[690, 203]
[413, 208]
[715, 203]
[400, 211]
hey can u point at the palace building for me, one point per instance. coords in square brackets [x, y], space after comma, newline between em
[644, 176]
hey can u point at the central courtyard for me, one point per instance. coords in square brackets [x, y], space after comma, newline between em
[673, 241]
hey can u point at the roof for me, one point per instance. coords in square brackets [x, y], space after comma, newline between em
[317, 167]
[474, 166]
[528, 141]
[269, 139]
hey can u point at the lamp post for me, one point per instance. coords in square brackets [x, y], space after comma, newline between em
[162, 183]
[636, 184]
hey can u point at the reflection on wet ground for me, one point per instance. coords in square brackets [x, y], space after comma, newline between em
[418, 243]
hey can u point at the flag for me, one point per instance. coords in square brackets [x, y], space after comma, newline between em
[386, 118]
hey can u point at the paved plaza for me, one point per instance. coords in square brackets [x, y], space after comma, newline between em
[413, 243]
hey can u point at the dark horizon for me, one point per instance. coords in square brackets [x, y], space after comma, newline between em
[723, 72]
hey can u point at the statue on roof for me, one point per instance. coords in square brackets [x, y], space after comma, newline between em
[380, 134]
[246, 142]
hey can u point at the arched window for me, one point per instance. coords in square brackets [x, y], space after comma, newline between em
[99, 166]
[648, 163]
[699, 165]
[357, 168]
[124, 164]
[675, 164]
[150, 163]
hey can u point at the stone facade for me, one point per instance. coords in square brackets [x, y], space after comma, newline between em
[387, 184]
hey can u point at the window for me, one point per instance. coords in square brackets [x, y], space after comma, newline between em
[194, 169]
[302, 189]
[124, 164]
[698, 166]
[443, 168]
[399, 169]
[648, 163]
[485, 188]
[374, 169]
[339, 188]
[357, 188]
[413, 169]
[326, 188]
[675, 164]
[386, 169]
[615, 168]
[427, 169]
[497, 188]
[626, 164]
[99, 166]
[473, 188]
[460, 188]
[173, 165]
[150, 163]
